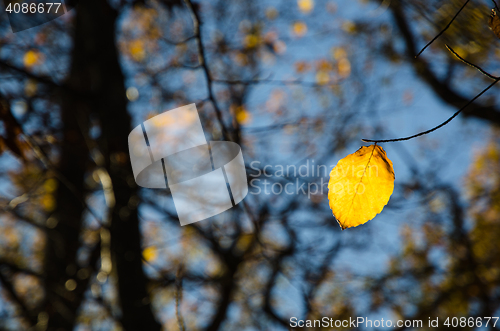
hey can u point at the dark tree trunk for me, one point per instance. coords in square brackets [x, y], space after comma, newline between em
[97, 77]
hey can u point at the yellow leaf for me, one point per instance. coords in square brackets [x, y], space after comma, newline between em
[243, 242]
[30, 88]
[271, 13]
[299, 29]
[305, 6]
[301, 67]
[339, 53]
[241, 59]
[149, 253]
[349, 27]
[242, 115]
[251, 41]
[50, 185]
[322, 77]
[48, 202]
[137, 50]
[360, 186]
[30, 58]
[344, 67]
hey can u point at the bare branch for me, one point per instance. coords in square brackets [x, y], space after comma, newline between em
[172, 42]
[271, 82]
[471, 64]
[15, 268]
[442, 31]
[440, 125]
[178, 299]
[203, 62]
[17, 300]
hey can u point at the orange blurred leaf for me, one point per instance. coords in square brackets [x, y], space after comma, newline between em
[305, 6]
[344, 67]
[322, 77]
[150, 253]
[299, 29]
[31, 58]
[137, 50]
[302, 66]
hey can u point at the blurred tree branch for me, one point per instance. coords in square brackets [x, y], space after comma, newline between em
[25, 311]
[203, 62]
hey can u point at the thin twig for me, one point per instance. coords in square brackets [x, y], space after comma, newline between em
[178, 298]
[203, 63]
[173, 42]
[440, 125]
[470, 64]
[39, 154]
[442, 31]
[271, 82]
[43, 80]
[496, 6]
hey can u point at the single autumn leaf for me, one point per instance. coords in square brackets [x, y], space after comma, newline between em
[360, 186]
[495, 23]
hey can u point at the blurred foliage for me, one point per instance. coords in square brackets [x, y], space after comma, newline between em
[450, 268]
[304, 75]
